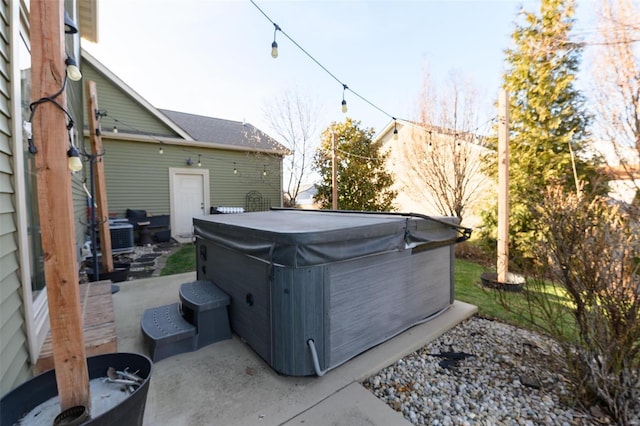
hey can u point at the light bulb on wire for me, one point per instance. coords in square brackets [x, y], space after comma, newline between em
[160, 151]
[74, 162]
[344, 102]
[274, 45]
[73, 72]
[395, 130]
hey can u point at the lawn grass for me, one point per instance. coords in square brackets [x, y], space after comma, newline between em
[183, 260]
[468, 289]
[466, 276]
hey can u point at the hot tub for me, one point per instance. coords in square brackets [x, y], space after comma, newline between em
[311, 289]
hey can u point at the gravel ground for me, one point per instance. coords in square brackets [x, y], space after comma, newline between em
[511, 378]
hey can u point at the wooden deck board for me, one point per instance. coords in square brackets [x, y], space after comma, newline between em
[98, 320]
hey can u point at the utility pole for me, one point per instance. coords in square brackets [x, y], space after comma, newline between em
[334, 174]
[55, 202]
[503, 186]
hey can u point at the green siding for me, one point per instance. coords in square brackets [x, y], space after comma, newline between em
[137, 176]
[132, 117]
[14, 356]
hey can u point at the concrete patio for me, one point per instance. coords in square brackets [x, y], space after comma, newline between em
[227, 383]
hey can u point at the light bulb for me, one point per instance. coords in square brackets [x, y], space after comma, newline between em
[274, 50]
[395, 134]
[74, 162]
[73, 72]
[115, 129]
[160, 151]
[344, 106]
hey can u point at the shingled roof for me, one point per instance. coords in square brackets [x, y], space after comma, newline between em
[220, 131]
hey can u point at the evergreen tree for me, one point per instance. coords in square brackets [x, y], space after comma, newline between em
[547, 116]
[363, 182]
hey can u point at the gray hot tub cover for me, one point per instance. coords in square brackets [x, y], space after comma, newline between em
[300, 238]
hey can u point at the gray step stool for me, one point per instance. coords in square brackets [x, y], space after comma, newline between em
[205, 306]
[166, 332]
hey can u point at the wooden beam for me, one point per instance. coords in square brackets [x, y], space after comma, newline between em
[503, 186]
[334, 173]
[98, 176]
[56, 205]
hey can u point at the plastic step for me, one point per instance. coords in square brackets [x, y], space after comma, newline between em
[203, 295]
[205, 306]
[167, 333]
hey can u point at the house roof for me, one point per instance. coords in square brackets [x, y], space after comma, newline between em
[221, 131]
[86, 56]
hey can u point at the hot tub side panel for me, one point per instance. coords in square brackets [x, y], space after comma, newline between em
[298, 314]
[246, 280]
[374, 298]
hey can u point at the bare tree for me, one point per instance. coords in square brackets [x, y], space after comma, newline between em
[442, 158]
[616, 74]
[294, 118]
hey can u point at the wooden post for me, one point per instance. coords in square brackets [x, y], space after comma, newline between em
[503, 186]
[98, 174]
[334, 174]
[55, 203]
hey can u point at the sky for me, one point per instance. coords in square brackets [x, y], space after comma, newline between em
[212, 57]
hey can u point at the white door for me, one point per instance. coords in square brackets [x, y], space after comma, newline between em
[189, 199]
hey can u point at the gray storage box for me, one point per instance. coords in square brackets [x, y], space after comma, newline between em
[346, 281]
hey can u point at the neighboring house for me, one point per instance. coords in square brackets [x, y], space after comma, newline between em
[23, 299]
[307, 198]
[205, 162]
[623, 168]
[419, 199]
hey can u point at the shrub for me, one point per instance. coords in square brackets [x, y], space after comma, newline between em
[588, 258]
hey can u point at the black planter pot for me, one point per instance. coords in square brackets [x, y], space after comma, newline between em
[116, 264]
[490, 280]
[34, 392]
[116, 276]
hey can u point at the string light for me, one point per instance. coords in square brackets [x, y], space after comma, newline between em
[160, 151]
[235, 169]
[199, 161]
[33, 106]
[264, 170]
[73, 72]
[345, 87]
[395, 129]
[274, 45]
[75, 164]
[344, 102]
[115, 129]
